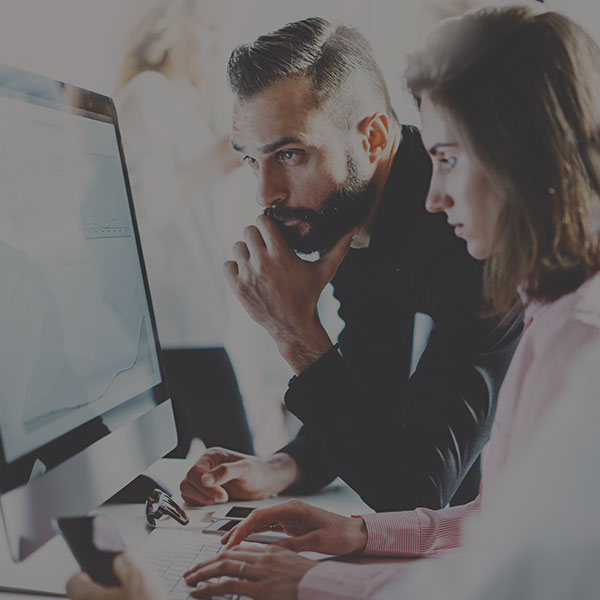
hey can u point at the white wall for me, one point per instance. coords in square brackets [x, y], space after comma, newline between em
[80, 40]
[585, 12]
[70, 40]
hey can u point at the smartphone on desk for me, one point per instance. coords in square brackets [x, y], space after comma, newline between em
[232, 512]
[226, 518]
[94, 542]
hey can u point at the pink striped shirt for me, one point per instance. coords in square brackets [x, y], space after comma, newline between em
[553, 335]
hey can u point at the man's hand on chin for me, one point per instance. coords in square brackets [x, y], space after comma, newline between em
[280, 291]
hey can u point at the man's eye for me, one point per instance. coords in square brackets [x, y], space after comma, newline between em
[287, 155]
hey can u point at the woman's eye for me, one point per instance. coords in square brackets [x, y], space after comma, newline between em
[447, 162]
[249, 160]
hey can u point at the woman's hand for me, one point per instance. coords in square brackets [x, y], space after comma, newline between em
[261, 573]
[311, 528]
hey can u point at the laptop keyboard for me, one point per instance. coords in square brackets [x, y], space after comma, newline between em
[172, 552]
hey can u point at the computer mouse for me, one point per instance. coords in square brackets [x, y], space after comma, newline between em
[137, 490]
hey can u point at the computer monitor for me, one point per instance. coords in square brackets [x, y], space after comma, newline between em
[84, 406]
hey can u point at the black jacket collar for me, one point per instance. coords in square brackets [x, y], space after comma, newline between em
[402, 204]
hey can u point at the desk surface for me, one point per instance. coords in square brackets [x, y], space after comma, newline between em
[55, 560]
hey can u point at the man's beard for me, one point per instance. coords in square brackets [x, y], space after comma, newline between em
[344, 208]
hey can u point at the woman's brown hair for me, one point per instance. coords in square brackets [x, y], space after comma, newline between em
[524, 87]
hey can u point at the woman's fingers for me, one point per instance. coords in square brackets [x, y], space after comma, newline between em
[248, 555]
[228, 567]
[237, 538]
[242, 587]
[265, 519]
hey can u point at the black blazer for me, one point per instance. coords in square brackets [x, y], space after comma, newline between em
[404, 442]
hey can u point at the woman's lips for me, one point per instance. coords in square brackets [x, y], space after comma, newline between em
[458, 228]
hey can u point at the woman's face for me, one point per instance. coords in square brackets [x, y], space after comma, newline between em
[460, 186]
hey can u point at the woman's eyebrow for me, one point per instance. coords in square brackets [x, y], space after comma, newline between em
[437, 147]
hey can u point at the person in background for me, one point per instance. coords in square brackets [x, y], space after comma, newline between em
[510, 107]
[166, 106]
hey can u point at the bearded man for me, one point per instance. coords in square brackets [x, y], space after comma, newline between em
[338, 175]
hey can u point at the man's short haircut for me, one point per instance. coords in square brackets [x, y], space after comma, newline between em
[337, 60]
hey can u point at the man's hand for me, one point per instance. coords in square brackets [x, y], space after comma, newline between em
[138, 584]
[261, 573]
[311, 528]
[220, 475]
[280, 291]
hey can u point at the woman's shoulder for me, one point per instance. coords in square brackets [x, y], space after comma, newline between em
[560, 327]
[560, 334]
[586, 306]
[582, 304]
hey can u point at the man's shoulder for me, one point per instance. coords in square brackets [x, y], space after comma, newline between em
[408, 181]
[410, 133]
[408, 242]
[410, 151]
[432, 240]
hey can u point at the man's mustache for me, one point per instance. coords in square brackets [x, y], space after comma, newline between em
[284, 213]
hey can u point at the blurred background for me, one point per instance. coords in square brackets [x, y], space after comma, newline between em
[84, 42]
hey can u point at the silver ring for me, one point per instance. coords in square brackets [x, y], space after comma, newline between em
[242, 567]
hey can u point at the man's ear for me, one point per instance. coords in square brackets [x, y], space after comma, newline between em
[375, 131]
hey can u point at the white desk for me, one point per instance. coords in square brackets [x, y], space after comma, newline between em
[55, 560]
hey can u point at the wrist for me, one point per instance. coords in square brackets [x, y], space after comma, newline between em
[284, 470]
[302, 350]
[359, 535]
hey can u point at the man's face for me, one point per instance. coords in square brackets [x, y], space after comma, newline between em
[307, 178]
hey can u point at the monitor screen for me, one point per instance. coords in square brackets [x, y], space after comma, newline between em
[73, 286]
[78, 343]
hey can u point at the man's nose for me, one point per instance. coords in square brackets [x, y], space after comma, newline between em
[271, 189]
[438, 198]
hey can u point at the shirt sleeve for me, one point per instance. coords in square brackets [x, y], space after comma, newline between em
[316, 471]
[333, 580]
[420, 532]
